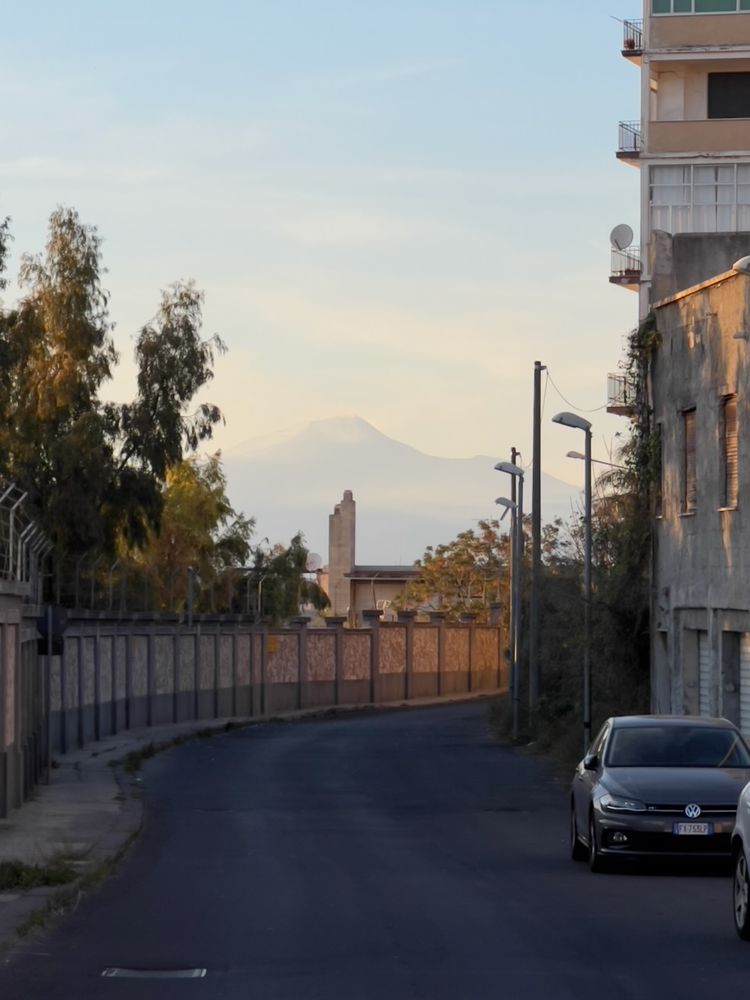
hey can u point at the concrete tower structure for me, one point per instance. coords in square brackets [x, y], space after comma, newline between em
[341, 537]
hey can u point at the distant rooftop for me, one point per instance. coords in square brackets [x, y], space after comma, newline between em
[396, 573]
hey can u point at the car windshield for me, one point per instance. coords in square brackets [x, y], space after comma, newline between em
[676, 746]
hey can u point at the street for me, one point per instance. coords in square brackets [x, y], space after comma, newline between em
[382, 857]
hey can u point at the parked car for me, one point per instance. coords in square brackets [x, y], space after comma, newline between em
[658, 786]
[740, 863]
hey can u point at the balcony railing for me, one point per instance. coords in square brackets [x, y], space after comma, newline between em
[629, 139]
[632, 38]
[620, 395]
[625, 269]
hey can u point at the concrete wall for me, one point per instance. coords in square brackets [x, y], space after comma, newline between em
[23, 700]
[116, 675]
[687, 259]
[701, 568]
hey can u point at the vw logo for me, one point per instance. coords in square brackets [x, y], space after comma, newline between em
[692, 811]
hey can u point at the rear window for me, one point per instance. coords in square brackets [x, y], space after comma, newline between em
[676, 746]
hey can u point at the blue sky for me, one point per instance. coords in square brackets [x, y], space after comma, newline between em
[394, 207]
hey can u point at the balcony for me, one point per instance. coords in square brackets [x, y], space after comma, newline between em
[620, 395]
[629, 142]
[713, 135]
[632, 40]
[625, 270]
[708, 33]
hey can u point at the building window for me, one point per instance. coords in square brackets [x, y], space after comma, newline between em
[729, 95]
[729, 472]
[688, 462]
[698, 6]
[700, 199]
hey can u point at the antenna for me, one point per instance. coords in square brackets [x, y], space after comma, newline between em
[621, 237]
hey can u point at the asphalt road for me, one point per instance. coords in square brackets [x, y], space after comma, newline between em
[385, 857]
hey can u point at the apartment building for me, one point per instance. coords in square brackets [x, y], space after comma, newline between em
[691, 144]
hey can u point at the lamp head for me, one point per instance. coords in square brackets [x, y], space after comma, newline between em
[510, 468]
[572, 420]
[575, 454]
[508, 504]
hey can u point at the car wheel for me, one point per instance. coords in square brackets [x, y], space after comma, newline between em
[577, 849]
[741, 895]
[596, 862]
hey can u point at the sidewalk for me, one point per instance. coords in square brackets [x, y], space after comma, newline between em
[91, 811]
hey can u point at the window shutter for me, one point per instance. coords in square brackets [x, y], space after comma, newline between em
[689, 494]
[730, 452]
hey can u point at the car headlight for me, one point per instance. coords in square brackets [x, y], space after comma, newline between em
[615, 803]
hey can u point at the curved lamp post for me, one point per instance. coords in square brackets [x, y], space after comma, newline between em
[516, 509]
[581, 424]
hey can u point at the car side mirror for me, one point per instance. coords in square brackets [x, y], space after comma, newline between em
[591, 762]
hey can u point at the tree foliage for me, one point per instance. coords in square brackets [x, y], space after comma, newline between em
[199, 530]
[279, 584]
[465, 575]
[94, 471]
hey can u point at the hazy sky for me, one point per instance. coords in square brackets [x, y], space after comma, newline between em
[394, 206]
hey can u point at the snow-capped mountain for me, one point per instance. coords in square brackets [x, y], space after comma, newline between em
[406, 500]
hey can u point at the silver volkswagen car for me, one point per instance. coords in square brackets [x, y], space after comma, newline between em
[657, 786]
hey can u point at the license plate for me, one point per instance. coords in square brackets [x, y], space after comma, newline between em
[693, 829]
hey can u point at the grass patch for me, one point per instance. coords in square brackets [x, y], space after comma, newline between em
[15, 875]
[132, 762]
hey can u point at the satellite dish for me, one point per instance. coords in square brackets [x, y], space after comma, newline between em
[314, 562]
[621, 237]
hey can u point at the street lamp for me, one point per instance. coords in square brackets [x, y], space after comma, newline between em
[516, 509]
[581, 424]
[596, 461]
[512, 506]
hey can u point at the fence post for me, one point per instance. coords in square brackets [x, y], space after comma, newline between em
[113, 684]
[150, 677]
[47, 700]
[197, 673]
[217, 671]
[468, 618]
[175, 674]
[407, 618]
[337, 622]
[372, 621]
[253, 701]
[301, 625]
[438, 618]
[128, 676]
[263, 665]
[63, 701]
[97, 685]
[3, 755]
[235, 665]
[81, 690]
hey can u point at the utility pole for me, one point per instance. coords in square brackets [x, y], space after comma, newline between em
[536, 544]
[515, 614]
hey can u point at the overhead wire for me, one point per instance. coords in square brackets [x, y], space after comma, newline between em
[579, 409]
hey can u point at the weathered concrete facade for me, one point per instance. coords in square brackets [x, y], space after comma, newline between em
[701, 566]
